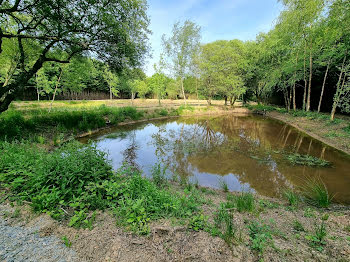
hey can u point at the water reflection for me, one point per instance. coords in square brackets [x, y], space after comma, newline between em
[246, 151]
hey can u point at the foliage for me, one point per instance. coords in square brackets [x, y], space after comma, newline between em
[298, 226]
[14, 126]
[74, 180]
[198, 222]
[260, 236]
[307, 160]
[317, 240]
[223, 225]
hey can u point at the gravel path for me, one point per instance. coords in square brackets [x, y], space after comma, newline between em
[19, 243]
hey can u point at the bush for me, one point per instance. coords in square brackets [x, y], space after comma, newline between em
[76, 179]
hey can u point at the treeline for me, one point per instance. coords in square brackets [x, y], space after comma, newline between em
[303, 62]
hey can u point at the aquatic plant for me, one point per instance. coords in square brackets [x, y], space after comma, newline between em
[307, 160]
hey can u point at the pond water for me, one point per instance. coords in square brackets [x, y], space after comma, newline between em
[248, 152]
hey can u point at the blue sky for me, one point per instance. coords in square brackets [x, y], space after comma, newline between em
[218, 19]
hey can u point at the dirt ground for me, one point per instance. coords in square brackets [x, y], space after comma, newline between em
[319, 129]
[169, 241]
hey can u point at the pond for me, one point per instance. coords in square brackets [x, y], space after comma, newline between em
[248, 152]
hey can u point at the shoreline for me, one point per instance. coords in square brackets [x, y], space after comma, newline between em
[284, 119]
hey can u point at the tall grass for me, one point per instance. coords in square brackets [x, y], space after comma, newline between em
[244, 202]
[16, 125]
[292, 197]
[316, 193]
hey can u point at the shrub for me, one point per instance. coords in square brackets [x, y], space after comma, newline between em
[79, 178]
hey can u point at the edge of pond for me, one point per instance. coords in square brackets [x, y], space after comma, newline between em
[278, 116]
[234, 111]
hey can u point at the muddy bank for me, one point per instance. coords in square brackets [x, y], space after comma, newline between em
[316, 129]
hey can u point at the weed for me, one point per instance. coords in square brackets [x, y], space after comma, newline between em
[223, 225]
[163, 112]
[260, 236]
[66, 241]
[198, 222]
[347, 228]
[292, 197]
[306, 160]
[298, 226]
[244, 202]
[159, 176]
[315, 193]
[309, 212]
[317, 240]
[223, 185]
[325, 217]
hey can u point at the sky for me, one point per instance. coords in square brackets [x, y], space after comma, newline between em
[218, 19]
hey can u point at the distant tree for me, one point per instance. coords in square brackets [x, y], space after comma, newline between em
[114, 30]
[112, 81]
[179, 49]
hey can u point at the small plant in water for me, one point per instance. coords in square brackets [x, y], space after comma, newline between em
[307, 160]
[315, 193]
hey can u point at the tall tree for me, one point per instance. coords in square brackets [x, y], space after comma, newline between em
[114, 30]
[179, 49]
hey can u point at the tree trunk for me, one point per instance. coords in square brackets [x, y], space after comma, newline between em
[110, 93]
[310, 78]
[295, 72]
[336, 95]
[197, 89]
[305, 86]
[225, 100]
[54, 93]
[323, 85]
[209, 100]
[132, 98]
[183, 90]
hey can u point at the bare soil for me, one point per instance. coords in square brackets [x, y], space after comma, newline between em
[171, 241]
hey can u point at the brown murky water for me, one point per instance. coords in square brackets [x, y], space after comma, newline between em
[248, 152]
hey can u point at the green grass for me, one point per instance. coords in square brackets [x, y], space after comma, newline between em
[223, 225]
[74, 180]
[16, 125]
[292, 197]
[223, 185]
[244, 202]
[316, 193]
[298, 226]
[307, 160]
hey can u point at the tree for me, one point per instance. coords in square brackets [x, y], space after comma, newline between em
[112, 81]
[180, 48]
[115, 31]
[158, 83]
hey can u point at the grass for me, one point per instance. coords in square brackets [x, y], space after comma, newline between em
[307, 160]
[316, 193]
[298, 226]
[292, 197]
[74, 180]
[223, 185]
[16, 125]
[244, 202]
[223, 225]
